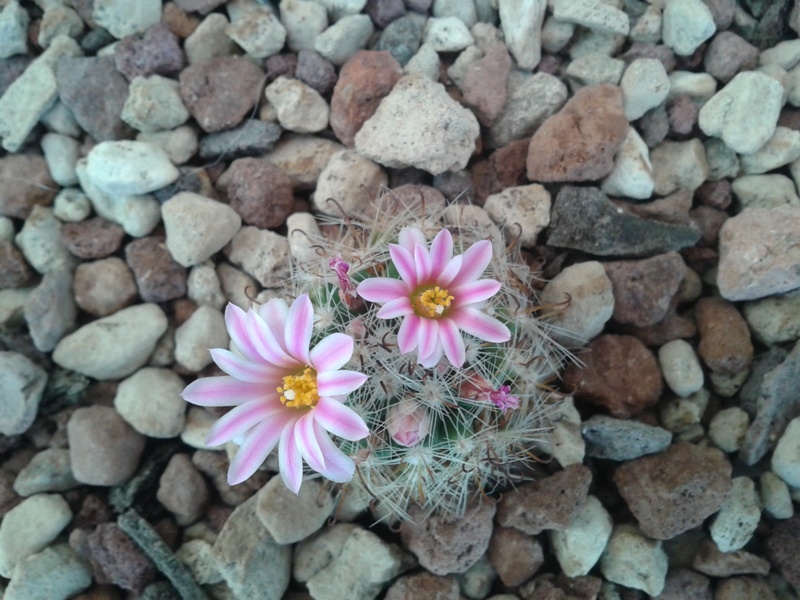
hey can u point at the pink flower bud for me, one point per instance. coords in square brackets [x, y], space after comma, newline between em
[408, 422]
[503, 399]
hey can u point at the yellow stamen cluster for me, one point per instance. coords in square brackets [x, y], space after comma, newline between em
[432, 302]
[300, 391]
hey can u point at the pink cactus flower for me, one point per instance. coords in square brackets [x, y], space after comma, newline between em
[438, 295]
[342, 268]
[283, 392]
[503, 399]
[477, 388]
[408, 422]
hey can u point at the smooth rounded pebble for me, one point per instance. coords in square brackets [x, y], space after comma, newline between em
[204, 329]
[150, 401]
[115, 346]
[127, 167]
[728, 428]
[776, 319]
[680, 367]
[775, 496]
[291, 517]
[786, 457]
[579, 546]
[738, 517]
[634, 560]
[22, 383]
[56, 572]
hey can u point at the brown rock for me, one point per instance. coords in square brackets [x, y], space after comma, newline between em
[671, 327]
[424, 586]
[744, 588]
[783, 548]
[158, 277]
[725, 345]
[259, 191]
[709, 221]
[675, 490]
[685, 584]
[578, 142]
[182, 490]
[155, 52]
[364, 80]
[619, 374]
[561, 587]
[515, 556]
[710, 561]
[94, 510]
[117, 559]
[673, 209]
[484, 85]
[15, 271]
[177, 21]
[104, 286]
[219, 93]
[643, 289]
[92, 238]
[550, 503]
[728, 54]
[504, 168]
[716, 194]
[682, 115]
[26, 183]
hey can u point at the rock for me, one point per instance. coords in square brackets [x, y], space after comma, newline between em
[158, 277]
[261, 253]
[685, 25]
[776, 319]
[398, 135]
[775, 495]
[40, 242]
[154, 104]
[782, 546]
[120, 20]
[56, 572]
[622, 440]
[104, 287]
[632, 174]
[679, 165]
[685, 584]
[744, 113]
[117, 559]
[521, 22]
[150, 401]
[291, 517]
[682, 115]
[196, 555]
[315, 71]
[549, 503]
[50, 311]
[633, 560]
[352, 182]
[303, 158]
[619, 374]
[252, 138]
[738, 517]
[204, 329]
[315, 553]
[728, 428]
[674, 491]
[209, 40]
[220, 92]
[182, 490]
[785, 457]
[515, 556]
[48, 471]
[779, 150]
[602, 18]
[504, 168]
[22, 383]
[579, 142]
[644, 85]
[725, 344]
[401, 39]
[304, 21]
[156, 52]
[15, 272]
[484, 85]
[521, 212]
[14, 22]
[125, 168]
[709, 560]
[339, 42]
[204, 286]
[104, 449]
[680, 367]
[594, 68]
[383, 13]
[29, 527]
[259, 192]
[729, 54]
[18, 197]
[424, 585]
[61, 153]
[579, 546]
[447, 34]
[299, 107]
[257, 30]
[743, 587]
[113, 347]
[681, 415]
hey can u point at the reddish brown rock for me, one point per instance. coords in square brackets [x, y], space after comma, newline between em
[560, 587]
[177, 21]
[484, 85]
[103, 287]
[516, 556]
[682, 115]
[550, 503]
[364, 80]
[727, 55]
[158, 277]
[221, 92]
[259, 191]
[116, 559]
[619, 374]
[15, 271]
[504, 168]
[709, 221]
[643, 289]
[26, 182]
[675, 490]
[783, 548]
[710, 561]
[424, 586]
[716, 194]
[578, 142]
[725, 345]
[92, 238]
[685, 584]
[155, 52]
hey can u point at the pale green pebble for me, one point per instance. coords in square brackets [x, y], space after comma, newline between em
[722, 161]
[72, 205]
[776, 496]
[680, 367]
[775, 319]
[728, 428]
[7, 229]
[738, 517]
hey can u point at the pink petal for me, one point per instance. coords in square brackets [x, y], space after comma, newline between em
[299, 325]
[408, 334]
[474, 291]
[274, 313]
[238, 325]
[223, 391]
[441, 251]
[257, 445]
[290, 459]
[423, 261]
[241, 368]
[382, 289]
[404, 261]
[338, 466]
[340, 420]
[240, 419]
[399, 307]
[446, 276]
[332, 352]
[433, 358]
[428, 334]
[481, 325]
[410, 237]
[339, 383]
[474, 262]
[306, 440]
[452, 342]
[268, 347]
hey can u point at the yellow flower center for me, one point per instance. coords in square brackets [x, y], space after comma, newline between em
[431, 301]
[300, 391]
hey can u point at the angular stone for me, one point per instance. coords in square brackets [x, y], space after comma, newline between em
[22, 383]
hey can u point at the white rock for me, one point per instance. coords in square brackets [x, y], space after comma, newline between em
[121, 17]
[680, 367]
[56, 572]
[685, 25]
[258, 31]
[634, 560]
[785, 54]
[150, 401]
[127, 167]
[738, 516]
[209, 40]
[521, 21]
[352, 181]
[632, 175]
[115, 346]
[776, 319]
[303, 158]
[12, 305]
[338, 9]
[425, 63]
[40, 242]
[61, 153]
[203, 286]
[700, 87]
[22, 383]
[180, 144]
[647, 29]
[556, 34]
[29, 527]
[344, 38]
[645, 84]
[302, 231]
[316, 552]
[204, 329]
[304, 21]
[679, 165]
[786, 457]
[579, 546]
[775, 496]
[154, 104]
[48, 471]
[407, 129]
[744, 113]
[291, 517]
[299, 107]
[13, 30]
[728, 428]
[461, 9]
[262, 254]
[588, 291]
[594, 68]
[781, 149]
[765, 191]
[59, 20]
[447, 34]
[520, 212]
[197, 227]
[592, 14]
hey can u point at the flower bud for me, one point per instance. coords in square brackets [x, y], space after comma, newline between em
[408, 422]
